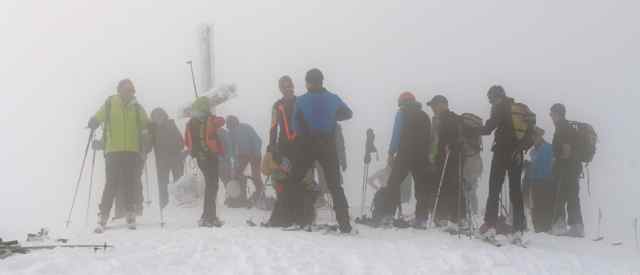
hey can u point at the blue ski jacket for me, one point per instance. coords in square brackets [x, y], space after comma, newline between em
[317, 112]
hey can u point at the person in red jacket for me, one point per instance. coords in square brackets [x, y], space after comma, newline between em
[202, 141]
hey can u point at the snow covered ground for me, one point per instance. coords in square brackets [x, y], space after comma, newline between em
[182, 248]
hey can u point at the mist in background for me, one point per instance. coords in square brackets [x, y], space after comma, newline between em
[59, 60]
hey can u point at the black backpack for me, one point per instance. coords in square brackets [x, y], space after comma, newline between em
[586, 140]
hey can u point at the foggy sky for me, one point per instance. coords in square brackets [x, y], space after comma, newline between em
[60, 59]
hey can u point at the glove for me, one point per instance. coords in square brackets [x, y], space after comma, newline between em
[97, 145]
[390, 160]
[93, 123]
[343, 165]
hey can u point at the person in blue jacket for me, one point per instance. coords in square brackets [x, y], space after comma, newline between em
[246, 148]
[315, 118]
[539, 183]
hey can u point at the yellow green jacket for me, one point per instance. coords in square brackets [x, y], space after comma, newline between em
[124, 125]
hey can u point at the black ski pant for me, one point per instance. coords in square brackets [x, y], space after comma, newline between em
[166, 168]
[567, 175]
[281, 214]
[123, 180]
[419, 169]
[309, 150]
[209, 168]
[452, 203]
[503, 162]
[543, 196]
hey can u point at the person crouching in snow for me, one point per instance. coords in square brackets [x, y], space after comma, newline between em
[247, 147]
[203, 144]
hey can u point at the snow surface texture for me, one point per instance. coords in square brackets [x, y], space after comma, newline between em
[182, 248]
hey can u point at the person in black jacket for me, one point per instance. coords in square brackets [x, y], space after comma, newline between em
[281, 137]
[168, 147]
[507, 158]
[409, 153]
[566, 170]
[451, 204]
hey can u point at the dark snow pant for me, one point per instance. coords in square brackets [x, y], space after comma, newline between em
[399, 171]
[281, 214]
[309, 150]
[165, 168]
[542, 194]
[123, 180]
[567, 175]
[255, 162]
[209, 168]
[452, 203]
[504, 162]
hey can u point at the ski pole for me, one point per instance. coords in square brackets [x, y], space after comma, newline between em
[84, 161]
[146, 183]
[364, 188]
[369, 149]
[93, 166]
[193, 78]
[635, 229]
[435, 205]
[460, 186]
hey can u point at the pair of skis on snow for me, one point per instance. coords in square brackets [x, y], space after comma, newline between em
[10, 248]
[325, 228]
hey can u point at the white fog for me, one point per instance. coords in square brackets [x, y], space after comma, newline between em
[60, 60]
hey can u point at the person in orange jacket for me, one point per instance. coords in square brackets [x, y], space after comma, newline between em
[201, 139]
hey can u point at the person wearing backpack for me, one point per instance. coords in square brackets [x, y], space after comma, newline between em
[472, 165]
[408, 153]
[538, 181]
[566, 170]
[450, 211]
[513, 136]
[168, 146]
[203, 144]
[125, 127]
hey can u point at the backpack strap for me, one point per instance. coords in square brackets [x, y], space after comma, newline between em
[106, 129]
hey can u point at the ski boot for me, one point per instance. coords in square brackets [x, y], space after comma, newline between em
[344, 222]
[102, 224]
[420, 224]
[516, 238]
[450, 227]
[487, 233]
[558, 229]
[214, 222]
[575, 231]
[131, 221]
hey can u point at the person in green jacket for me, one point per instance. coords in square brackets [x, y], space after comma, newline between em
[125, 128]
